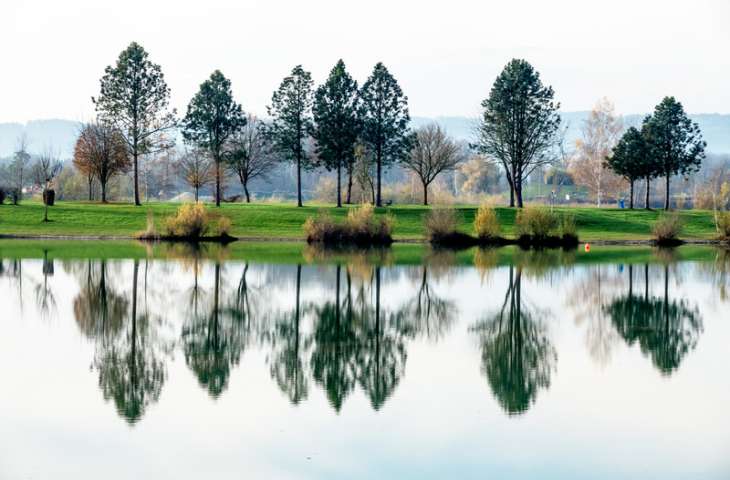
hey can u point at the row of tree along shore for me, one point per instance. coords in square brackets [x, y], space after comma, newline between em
[358, 131]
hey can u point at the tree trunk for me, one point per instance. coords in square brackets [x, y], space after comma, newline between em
[666, 197]
[299, 179]
[45, 203]
[631, 194]
[425, 193]
[248, 195]
[103, 192]
[339, 184]
[348, 200]
[135, 154]
[518, 194]
[378, 200]
[91, 186]
[197, 194]
[646, 202]
[217, 181]
[511, 194]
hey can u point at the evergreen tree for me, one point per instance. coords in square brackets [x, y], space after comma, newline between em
[134, 99]
[675, 142]
[384, 116]
[520, 124]
[212, 118]
[336, 125]
[629, 159]
[291, 124]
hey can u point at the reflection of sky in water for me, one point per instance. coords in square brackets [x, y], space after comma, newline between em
[607, 413]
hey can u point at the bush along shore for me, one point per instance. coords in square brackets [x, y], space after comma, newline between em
[537, 227]
[360, 228]
[191, 223]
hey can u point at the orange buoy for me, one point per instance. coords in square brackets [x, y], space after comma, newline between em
[588, 247]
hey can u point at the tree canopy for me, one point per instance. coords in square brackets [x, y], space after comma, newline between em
[135, 98]
[519, 125]
[630, 159]
[291, 115]
[212, 118]
[384, 115]
[674, 141]
[336, 124]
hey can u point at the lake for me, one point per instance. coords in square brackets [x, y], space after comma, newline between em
[281, 361]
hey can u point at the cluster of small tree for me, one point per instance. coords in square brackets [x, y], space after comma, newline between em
[667, 144]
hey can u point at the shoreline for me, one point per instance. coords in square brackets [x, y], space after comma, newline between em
[101, 238]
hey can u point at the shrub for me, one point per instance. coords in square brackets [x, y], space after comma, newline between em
[537, 223]
[361, 227]
[3, 194]
[486, 223]
[441, 222]
[722, 224]
[568, 229]
[224, 226]
[667, 228]
[150, 232]
[193, 221]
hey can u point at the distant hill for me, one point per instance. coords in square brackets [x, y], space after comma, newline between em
[61, 134]
[715, 127]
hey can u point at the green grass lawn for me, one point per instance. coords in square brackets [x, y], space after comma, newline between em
[285, 220]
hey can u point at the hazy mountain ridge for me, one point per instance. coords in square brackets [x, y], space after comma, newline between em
[61, 134]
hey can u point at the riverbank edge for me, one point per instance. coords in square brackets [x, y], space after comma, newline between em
[613, 242]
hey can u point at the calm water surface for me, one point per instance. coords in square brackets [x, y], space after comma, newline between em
[189, 366]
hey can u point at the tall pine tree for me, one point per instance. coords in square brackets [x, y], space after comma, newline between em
[212, 117]
[291, 124]
[134, 99]
[336, 125]
[675, 142]
[384, 116]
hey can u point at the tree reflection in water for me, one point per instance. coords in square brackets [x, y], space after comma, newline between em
[666, 330]
[130, 370]
[518, 358]
[288, 367]
[212, 343]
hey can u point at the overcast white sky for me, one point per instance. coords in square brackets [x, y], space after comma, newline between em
[445, 54]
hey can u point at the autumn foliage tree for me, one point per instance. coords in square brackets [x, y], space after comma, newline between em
[101, 152]
[600, 133]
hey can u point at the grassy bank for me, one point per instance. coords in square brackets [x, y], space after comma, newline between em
[398, 254]
[285, 220]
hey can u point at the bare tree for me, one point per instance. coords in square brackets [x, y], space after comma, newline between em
[601, 132]
[44, 170]
[433, 153]
[250, 153]
[101, 152]
[195, 167]
[20, 165]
